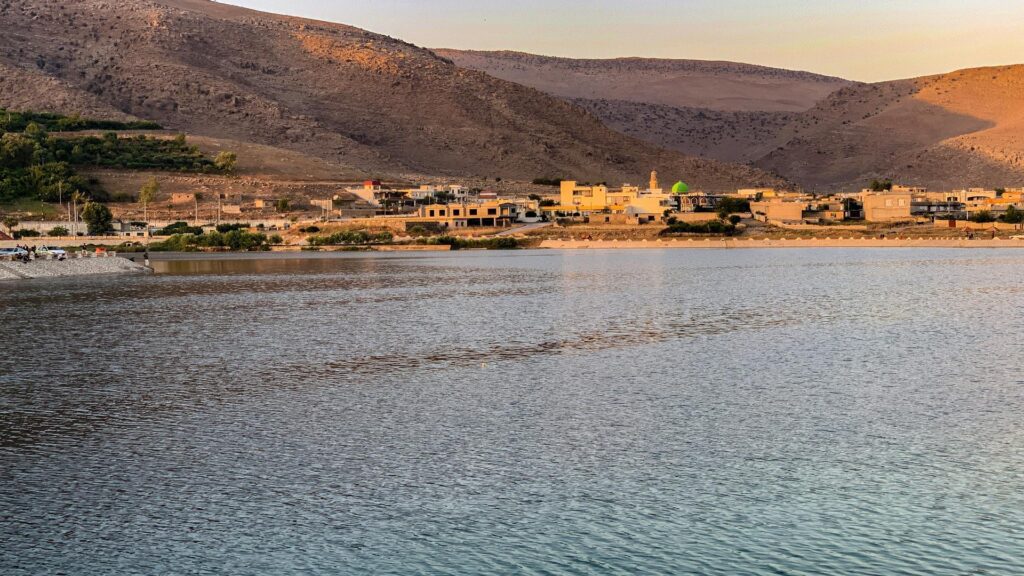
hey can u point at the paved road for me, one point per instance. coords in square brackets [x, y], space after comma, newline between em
[524, 229]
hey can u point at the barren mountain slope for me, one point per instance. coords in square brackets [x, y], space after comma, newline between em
[729, 136]
[960, 129]
[22, 89]
[363, 100]
[725, 86]
[722, 110]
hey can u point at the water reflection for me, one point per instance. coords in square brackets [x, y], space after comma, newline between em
[840, 411]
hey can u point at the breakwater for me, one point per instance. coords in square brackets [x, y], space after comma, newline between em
[16, 270]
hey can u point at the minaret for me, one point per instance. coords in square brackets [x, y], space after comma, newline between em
[654, 180]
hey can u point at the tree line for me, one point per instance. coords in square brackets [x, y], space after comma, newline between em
[38, 165]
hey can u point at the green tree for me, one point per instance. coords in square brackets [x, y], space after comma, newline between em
[97, 217]
[880, 185]
[1013, 216]
[225, 162]
[729, 205]
[11, 223]
[283, 205]
[983, 217]
[35, 131]
[58, 232]
[16, 151]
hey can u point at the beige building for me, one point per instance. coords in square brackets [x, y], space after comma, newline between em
[886, 206]
[778, 210]
[630, 200]
[183, 198]
[495, 213]
[751, 193]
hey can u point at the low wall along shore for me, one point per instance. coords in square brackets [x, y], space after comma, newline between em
[785, 243]
[70, 267]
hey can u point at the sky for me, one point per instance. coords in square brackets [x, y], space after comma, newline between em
[866, 40]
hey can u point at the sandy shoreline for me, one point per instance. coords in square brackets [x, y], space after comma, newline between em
[70, 267]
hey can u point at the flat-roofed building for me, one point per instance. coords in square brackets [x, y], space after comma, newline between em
[752, 193]
[887, 206]
[587, 200]
[493, 213]
[777, 210]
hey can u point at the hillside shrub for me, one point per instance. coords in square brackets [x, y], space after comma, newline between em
[179, 228]
[712, 227]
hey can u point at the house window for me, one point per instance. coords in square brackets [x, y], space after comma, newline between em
[455, 212]
[472, 211]
[431, 212]
[888, 203]
[492, 211]
[440, 212]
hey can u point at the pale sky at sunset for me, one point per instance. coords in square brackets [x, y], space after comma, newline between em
[864, 40]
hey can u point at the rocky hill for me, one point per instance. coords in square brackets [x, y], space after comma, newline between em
[722, 110]
[960, 129]
[952, 130]
[722, 86]
[365, 102]
[734, 136]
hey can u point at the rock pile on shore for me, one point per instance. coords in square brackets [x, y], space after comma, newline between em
[70, 267]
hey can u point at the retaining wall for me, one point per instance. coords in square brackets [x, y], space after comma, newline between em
[783, 243]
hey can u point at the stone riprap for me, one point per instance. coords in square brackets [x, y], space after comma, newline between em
[69, 267]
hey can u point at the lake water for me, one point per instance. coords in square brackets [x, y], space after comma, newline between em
[849, 411]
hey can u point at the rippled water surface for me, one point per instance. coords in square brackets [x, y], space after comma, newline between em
[536, 412]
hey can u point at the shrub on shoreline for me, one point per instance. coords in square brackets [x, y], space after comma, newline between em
[236, 240]
[350, 237]
[457, 243]
[711, 227]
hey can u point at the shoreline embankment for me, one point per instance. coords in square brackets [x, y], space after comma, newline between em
[34, 269]
[783, 243]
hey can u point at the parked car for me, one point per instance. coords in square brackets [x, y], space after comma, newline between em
[13, 252]
[51, 251]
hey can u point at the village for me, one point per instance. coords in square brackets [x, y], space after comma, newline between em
[577, 210]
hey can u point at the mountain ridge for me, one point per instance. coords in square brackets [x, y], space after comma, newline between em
[962, 128]
[360, 99]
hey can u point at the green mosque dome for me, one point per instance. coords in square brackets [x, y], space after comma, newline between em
[680, 188]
